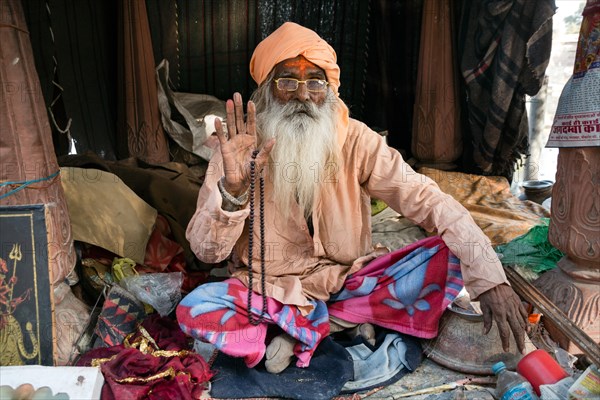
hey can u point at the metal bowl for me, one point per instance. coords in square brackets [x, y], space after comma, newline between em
[462, 346]
[535, 184]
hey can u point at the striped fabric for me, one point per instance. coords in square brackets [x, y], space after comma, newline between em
[505, 51]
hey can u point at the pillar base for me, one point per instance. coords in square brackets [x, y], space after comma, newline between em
[578, 298]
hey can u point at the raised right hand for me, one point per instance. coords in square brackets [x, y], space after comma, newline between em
[238, 144]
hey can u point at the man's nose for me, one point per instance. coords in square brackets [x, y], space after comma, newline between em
[302, 93]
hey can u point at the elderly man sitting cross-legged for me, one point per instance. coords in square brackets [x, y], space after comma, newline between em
[288, 192]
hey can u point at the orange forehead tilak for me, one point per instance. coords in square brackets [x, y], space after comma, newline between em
[300, 63]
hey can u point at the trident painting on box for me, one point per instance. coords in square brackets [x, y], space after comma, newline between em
[26, 313]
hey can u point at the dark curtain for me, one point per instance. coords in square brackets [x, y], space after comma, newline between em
[74, 45]
[392, 70]
[209, 44]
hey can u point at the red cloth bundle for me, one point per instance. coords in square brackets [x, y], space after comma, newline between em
[154, 363]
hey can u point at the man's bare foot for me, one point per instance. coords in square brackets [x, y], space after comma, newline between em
[279, 353]
[366, 330]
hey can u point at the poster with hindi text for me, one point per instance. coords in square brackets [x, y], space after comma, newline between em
[577, 118]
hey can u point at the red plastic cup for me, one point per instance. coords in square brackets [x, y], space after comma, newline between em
[539, 368]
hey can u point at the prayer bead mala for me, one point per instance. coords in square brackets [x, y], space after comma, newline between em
[261, 213]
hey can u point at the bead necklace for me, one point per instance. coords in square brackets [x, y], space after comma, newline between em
[261, 214]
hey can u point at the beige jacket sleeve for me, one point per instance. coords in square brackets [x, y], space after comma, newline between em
[212, 231]
[387, 177]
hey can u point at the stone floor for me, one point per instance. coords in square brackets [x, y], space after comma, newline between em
[434, 381]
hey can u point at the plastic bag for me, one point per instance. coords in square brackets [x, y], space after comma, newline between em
[198, 110]
[161, 290]
[531, 250]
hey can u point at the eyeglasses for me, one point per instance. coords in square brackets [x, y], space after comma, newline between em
[291, 84]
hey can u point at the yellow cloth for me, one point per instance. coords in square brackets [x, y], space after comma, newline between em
[106, 213]
[500, 214]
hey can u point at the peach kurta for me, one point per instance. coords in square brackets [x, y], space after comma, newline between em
[300, 266]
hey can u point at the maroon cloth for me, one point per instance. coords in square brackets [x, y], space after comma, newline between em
[191, 371]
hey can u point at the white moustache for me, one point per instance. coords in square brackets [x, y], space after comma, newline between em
[295, 107]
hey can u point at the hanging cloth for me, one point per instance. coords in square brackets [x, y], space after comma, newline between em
[138, 120]
[506, 51]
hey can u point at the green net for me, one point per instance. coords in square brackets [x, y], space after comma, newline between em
[531, 250]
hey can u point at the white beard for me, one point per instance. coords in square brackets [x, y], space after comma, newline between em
[305, 147]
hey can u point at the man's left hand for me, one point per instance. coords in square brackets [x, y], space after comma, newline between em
[502, 305]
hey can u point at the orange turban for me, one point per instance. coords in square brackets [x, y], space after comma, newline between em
[291, 40]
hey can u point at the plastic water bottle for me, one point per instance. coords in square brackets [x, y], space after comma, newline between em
[511, 385]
